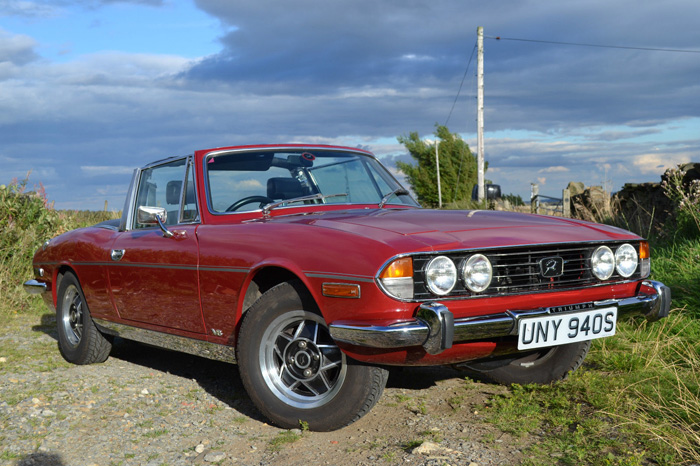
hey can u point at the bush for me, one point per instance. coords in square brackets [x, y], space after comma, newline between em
[27, 219]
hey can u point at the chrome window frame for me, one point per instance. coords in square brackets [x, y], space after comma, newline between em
[215, 153]
[128, 219]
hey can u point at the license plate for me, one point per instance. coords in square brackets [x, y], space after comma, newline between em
[560, 329]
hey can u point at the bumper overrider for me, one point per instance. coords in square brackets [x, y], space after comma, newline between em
[436, 329]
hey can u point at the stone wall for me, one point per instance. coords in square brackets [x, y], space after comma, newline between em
[643, 208]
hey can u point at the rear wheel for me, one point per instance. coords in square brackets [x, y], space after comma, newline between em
[292, 369]
[78, 339]
[544, 366]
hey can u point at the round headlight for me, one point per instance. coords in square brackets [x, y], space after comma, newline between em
[603, 263]
[441, 275]
[626, 259]
[477, 273]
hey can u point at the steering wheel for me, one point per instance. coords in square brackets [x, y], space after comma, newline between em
[263, 200]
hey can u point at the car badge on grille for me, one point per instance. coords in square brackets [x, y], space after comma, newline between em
[551, 267]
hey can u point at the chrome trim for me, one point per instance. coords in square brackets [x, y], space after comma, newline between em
[183, 195]
[440, 324]
[142, 265]
[116, 254]
[187, 345]
[653, 306]
[217, 152]
[146, 214]
[165, 161]
[126, 222]
[130, 203]
[352, 278]
[432, 320]
[35, 287]
[166, 233]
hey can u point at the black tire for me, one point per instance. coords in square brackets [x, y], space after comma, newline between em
[78, 339]
[292, 369]
[545, 366]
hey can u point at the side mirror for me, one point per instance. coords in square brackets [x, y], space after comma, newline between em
[147, 215]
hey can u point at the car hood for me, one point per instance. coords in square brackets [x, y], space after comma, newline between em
[454, 229]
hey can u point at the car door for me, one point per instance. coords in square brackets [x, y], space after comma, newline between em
[154, 278]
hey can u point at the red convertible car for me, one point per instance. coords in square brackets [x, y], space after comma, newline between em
[314, 270]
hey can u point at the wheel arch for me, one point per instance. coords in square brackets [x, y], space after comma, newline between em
[61, 272]
[268, 276]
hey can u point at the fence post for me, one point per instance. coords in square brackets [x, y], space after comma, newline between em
[566, 203]
[534, 198]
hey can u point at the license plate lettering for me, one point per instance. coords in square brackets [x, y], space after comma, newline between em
[560, 329]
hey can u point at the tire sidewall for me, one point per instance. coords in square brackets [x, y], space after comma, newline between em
[72, 353]
[555, 365]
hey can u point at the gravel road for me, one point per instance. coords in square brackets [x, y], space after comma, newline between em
[147, 406]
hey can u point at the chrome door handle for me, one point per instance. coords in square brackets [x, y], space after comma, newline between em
[117, 254]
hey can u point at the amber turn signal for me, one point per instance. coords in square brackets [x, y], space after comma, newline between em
[644, 250]
[341, 290]
[400, 268]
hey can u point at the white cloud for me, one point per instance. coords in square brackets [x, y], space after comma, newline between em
[96, 170]
[557, 169]
[249, 184]
[658, 162]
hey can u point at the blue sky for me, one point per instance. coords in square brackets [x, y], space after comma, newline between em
[90, 89]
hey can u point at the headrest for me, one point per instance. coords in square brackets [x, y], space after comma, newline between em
[284, 188]
[172, 192]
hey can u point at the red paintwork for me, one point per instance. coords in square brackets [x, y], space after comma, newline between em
[210, 265]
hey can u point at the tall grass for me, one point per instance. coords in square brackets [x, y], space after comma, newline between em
[27, 219]
[636, 400]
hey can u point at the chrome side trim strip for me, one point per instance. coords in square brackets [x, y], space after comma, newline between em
[187, 345]
[352, 278]
[429, 329]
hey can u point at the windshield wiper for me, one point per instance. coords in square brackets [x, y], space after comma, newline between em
[266, 210]
[396, 192]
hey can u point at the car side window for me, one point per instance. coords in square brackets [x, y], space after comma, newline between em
[161, 186]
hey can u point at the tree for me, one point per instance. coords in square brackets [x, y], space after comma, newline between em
[458, 170]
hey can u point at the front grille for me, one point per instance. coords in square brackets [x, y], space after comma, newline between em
[516, 270]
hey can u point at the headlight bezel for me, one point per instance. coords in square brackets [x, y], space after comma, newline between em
[471, 262]
[449, 267]
[626, 250]
[603, 255]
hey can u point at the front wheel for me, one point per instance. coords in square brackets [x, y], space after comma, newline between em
[79, 341]
[543, 366]
[292, 369]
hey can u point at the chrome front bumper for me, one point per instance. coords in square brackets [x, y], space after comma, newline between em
[436, 330]
[34, 287]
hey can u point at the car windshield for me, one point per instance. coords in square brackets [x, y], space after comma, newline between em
[248, 181]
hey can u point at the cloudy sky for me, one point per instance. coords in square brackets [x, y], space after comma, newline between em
[90, 89]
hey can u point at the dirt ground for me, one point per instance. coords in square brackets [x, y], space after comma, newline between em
[149, 406]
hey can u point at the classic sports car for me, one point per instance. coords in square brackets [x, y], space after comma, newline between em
[314, 270]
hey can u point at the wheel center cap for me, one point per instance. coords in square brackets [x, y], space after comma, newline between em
[303, 359]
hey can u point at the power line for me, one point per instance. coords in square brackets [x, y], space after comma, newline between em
[461, 84]
[652, 49]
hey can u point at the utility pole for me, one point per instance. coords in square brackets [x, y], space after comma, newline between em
[480, 111]
[437, 165]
